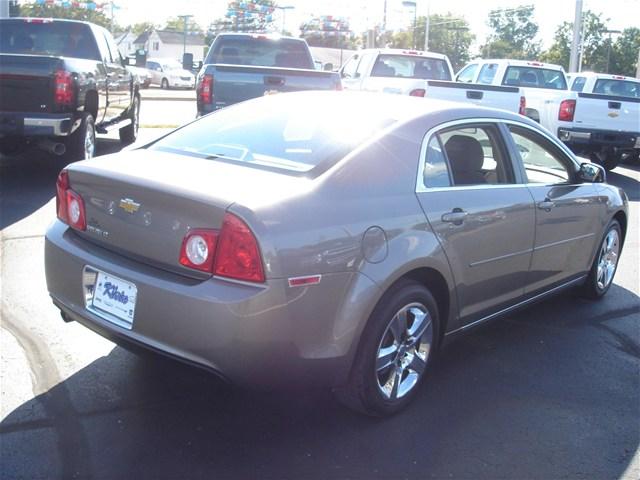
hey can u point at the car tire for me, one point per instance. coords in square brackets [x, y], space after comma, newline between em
[604, 264]
[164, 84]
[129, 133]
[392, 359]
[81, 144]
[611, 161]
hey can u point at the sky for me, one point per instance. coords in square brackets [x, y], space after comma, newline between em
[364, 14]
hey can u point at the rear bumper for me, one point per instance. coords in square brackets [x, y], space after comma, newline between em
[265, 336]
[35, 125]
[581, 139]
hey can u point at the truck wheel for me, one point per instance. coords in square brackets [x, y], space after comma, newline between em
[395, 351]
[129, 133]
[165, 84]
[81, 144]
[611, 161]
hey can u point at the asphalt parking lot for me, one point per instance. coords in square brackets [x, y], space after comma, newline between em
[550, 392]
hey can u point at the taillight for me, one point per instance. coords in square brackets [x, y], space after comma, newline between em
[199, 249]
[63, 88]
[69, 204]
[567, 110]
[205, 89]
[238, 255]
[229, 252]
[523, 105]
[418, 92]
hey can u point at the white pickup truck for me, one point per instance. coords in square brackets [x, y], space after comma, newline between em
[421, 74]
[600, 117]
[543, 85]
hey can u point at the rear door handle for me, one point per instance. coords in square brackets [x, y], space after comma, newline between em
[274, 81]
[456, 216]
[474, 95]
[546, 205]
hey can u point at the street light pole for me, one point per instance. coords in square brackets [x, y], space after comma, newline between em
[577, 38]
[284, 10]
[185, 19]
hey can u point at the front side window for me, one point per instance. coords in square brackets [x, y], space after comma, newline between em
[541, 162]
[349, 69]
[578, 84]
[467, 73]
[488, 73]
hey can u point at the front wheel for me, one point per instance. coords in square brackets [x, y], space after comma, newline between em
[605, 264]
[129, 133]
[81, 144]
[165, 83]
[396, 349]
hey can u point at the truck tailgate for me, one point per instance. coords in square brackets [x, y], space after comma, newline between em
[234, 83]
[493, 96]
[26, 82]
[607, 112]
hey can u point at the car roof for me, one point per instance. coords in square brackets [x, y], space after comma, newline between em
[404, 51]
[519, 63]
[608, 76]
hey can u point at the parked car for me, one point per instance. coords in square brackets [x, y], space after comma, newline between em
[61, 82]
[142, 75]
[421, 74]
[600, 117]
[168, 73]
[243, 66]
[543, 85]
[272, 246]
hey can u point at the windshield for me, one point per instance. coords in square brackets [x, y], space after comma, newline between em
[260, 51]
[617, 88]
[534, 77]
[278, 132]
[38, 37]
[411, 66]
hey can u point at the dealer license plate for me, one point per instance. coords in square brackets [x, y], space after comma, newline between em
[115, 297]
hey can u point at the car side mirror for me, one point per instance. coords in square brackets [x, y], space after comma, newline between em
[592, 173]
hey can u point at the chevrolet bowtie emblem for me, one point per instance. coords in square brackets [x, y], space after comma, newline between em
[613, 114]
[129, 205]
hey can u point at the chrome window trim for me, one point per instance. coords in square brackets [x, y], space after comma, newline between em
[422, 188]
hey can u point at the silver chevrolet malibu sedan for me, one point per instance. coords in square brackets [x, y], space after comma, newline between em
[328, 238]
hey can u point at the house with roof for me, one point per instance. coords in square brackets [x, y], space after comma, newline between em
[171, 44]
[127, 43]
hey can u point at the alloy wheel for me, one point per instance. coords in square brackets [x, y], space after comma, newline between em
[608, 259]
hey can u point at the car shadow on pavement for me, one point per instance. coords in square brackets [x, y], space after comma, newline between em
[28, 180]
[551, 392]
[630, 185]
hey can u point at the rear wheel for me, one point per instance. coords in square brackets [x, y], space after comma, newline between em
[395, 350]
[81, 144]
[605, 264]
[129, 133]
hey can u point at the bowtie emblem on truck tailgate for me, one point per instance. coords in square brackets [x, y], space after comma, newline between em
[613, 114]
[128, 205]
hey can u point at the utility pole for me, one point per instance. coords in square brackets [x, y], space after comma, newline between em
[426, 28]
[185, 19]
[609, 46]
[577, 38]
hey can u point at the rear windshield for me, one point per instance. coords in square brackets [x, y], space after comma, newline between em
[617, 88]
[261, 51]
[37, 37]
[411, 66]
[526, 76]
[279, 133]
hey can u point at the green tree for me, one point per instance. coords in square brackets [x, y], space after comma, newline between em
[624, 56]
[71, 13]
[513, 34]
[594, 44]
[177, 24]
[139, 28]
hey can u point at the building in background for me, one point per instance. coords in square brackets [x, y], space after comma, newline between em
[170, 44]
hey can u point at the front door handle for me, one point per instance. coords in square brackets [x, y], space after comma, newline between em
[546, 205]
[456, 216]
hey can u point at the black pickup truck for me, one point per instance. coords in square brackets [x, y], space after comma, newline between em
[61, 81]
[243, 66]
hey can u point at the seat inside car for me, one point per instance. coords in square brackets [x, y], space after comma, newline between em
[466, 158]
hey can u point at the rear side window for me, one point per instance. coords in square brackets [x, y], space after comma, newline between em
[617, 88]
[533, 77]
[410, 66]
[38, 37]
[578, 84]
[467, 73]
[488, 73]
[436, 172]
[261, 51]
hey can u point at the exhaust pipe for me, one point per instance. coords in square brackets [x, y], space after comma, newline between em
[56, 148]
